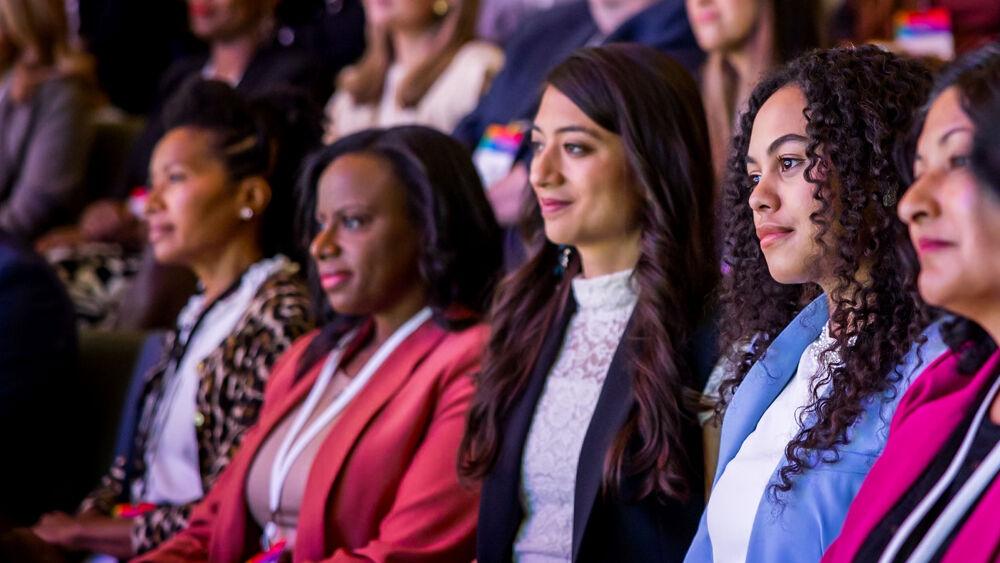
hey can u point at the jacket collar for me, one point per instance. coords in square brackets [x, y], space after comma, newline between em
[768, 377]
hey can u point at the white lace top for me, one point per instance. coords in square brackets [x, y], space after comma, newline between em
[552, 449]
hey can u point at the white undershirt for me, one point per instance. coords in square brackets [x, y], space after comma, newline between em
[735, 499]
[173, 474]
[552, 449]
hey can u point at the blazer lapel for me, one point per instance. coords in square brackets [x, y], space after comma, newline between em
[389, 378]
[500, 511]
[613, 407]
[767, 378]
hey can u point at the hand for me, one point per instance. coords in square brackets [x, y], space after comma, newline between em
[507, 195]
[59, 528]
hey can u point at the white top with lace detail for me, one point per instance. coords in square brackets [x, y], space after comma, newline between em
[552, 449]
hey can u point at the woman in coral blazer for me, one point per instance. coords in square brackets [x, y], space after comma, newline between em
[354, 455]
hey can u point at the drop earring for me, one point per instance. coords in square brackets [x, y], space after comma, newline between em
[441, 8]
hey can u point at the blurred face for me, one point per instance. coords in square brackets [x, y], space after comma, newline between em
[954, 220]
[213, 20]
[401, 14]
[581, 177]
[193, 207]
[782, 199]
[723, 25]
[367, 249]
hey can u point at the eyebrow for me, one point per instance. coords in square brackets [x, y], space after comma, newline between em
[959, 129]
[776, 144]
[570, 129]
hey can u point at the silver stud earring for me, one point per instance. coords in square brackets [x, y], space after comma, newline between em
[246, 213]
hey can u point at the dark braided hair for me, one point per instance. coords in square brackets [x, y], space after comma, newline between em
[861, 103]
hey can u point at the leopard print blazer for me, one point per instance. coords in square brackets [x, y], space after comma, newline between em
[230, 394]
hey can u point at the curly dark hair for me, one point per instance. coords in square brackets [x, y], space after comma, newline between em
[654, 105]
[977, 77]
[861, 103]
[461, 261]
[267, 135]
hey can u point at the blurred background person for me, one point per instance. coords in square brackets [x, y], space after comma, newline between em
[744, 39]
[212, 208]
[422, 66]
[46, 98]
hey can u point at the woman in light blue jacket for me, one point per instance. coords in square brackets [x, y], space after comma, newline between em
[820, 304]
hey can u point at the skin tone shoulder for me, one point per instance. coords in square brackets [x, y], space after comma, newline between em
[954, 221]
[586, 190]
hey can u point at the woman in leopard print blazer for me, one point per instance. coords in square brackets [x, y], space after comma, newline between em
[210, 208]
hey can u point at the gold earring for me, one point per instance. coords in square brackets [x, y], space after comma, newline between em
[441, 8]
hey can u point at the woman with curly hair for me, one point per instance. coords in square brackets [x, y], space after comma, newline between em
[935, 492]
[353, 457]
[820, 307]
[583, 425]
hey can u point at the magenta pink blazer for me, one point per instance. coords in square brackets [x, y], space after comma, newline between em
[934, 406]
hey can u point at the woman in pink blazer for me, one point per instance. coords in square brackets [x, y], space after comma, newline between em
[934, 494]
[354, 456]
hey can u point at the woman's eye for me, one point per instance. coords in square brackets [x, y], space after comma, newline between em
[754, 179]
[353, 222]
[574, 149]
[175, 177]
[535, 147]
[789, 163]
[959, 161]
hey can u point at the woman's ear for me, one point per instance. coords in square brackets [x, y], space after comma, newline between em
[254, 193]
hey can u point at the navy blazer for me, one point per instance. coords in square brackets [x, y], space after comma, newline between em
[605, 528]
[550, 37]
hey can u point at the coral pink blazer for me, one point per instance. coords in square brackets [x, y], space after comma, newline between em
[932, 408]
[384, 485]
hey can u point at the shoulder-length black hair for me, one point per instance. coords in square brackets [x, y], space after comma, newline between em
[461, 260]
[860, 105]
[654, 105]
[977, 78]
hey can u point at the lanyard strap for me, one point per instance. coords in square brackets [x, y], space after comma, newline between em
[298, 437]
[959, 505]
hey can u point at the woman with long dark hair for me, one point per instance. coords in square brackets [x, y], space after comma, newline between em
[583, 425]
[354, 455]
[935, 492]
[821, 309]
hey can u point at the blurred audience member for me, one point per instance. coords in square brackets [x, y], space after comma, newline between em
[37, 383]
[354, 455]
[744, 39]
[213, 209]
[543, 42]
[421, 66]
[934, 495]
[45, 129]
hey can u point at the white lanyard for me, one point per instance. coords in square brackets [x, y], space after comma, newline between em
[958, 506]
[297, 439]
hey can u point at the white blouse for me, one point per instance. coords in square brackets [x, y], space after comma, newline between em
[455, 94]
[552, 449]
[172, 474]
[732, 507]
